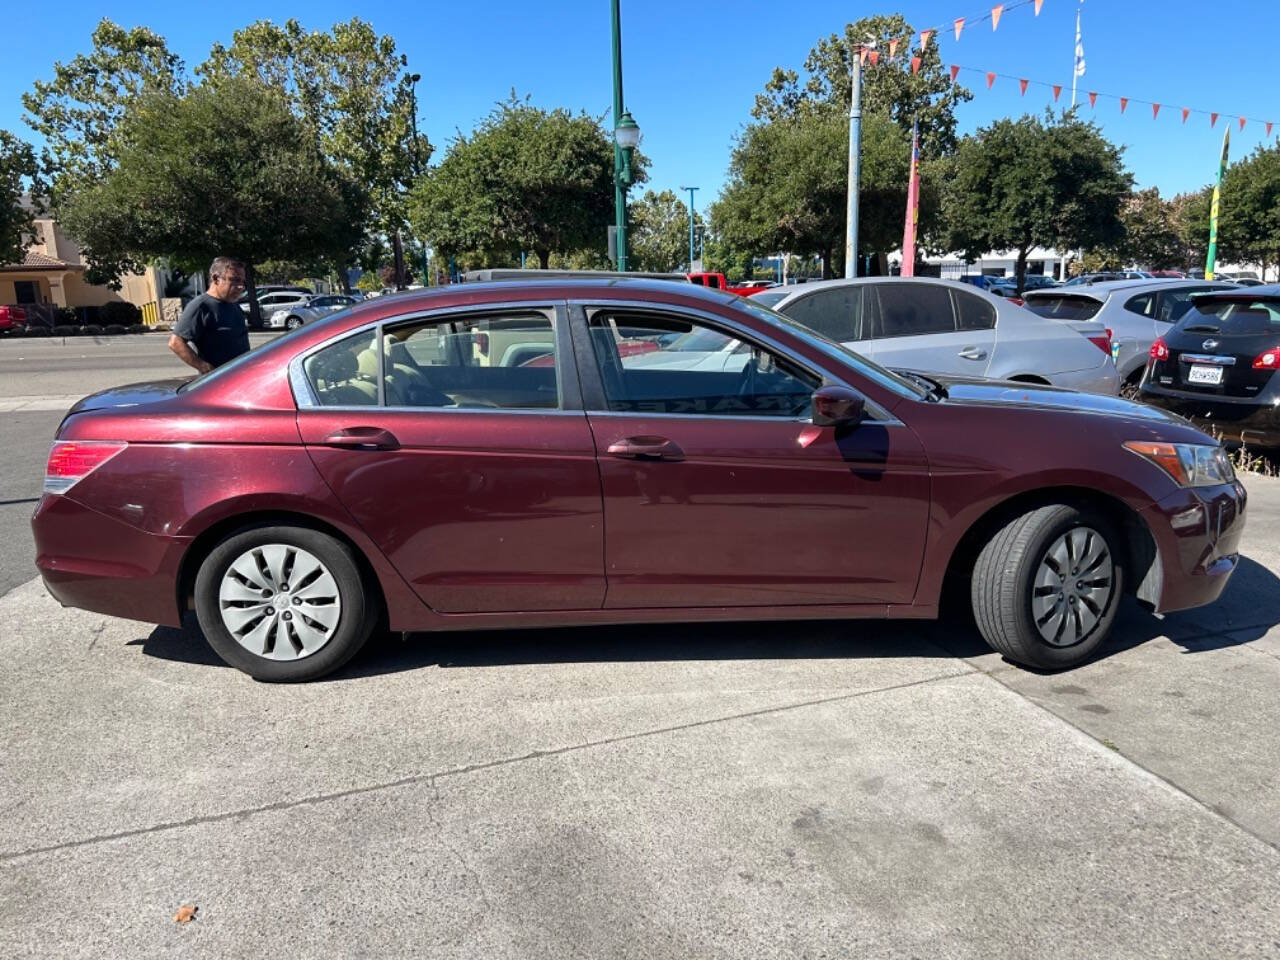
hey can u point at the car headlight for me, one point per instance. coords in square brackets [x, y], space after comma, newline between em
[1189, 464]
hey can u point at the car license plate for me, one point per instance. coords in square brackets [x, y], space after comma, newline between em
[1204, 373]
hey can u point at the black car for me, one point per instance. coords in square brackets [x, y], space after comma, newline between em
[1217, 365]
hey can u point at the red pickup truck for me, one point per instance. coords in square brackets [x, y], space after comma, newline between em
[717, 281]
[12, 318]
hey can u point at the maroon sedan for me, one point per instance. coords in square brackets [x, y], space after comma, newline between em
[486, 456]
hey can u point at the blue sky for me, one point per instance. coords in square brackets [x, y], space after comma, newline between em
[691, 71]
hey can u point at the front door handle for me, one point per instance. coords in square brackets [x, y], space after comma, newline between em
[362, 438]
[973, 353]
[645, 448]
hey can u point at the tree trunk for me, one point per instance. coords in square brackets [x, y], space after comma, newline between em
[251, 288]
[544, 258]
[397, 249]
[1021, 269]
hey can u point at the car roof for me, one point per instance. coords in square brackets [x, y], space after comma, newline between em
[1101, 291]
[1267, 291]
[794, 289]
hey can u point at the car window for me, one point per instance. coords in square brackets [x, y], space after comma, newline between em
[345, 374]
[911, 309]
[1173, 304]
[1064, 306]
[1243, 317]
[973, 312]
[499, 361]
[651, 371]
[1144, 304]
[770, 298]
[835, 312]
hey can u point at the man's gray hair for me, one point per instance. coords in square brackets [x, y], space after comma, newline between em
[220, 265]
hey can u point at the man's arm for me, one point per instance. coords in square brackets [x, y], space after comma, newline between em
[187, 355]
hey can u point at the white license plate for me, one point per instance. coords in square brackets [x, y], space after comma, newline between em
[1204, 373]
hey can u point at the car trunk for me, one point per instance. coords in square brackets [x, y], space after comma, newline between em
[1220, 349]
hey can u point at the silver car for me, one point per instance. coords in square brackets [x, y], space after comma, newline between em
[1135, 311]
[290, 316]
[941, 326]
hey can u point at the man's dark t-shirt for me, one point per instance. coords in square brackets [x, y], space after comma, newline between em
[216, 328]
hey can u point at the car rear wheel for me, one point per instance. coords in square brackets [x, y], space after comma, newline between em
[1047, 585]
[283, 603]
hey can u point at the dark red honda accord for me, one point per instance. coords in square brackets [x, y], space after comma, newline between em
[601, 451]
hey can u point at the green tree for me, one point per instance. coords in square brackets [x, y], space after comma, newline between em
[659, 237]
[525, 179]
[18, 169]
[220, 170]
[1150, 239]
[1249, 209]
[1190, 212]
[1023, 183]
[889, 88]
[721, 256]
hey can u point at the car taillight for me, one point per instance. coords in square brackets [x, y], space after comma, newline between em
[1102, 342]
[1270, 360]
[1159, 350]
[72, 460]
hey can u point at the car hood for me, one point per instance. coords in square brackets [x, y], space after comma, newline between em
[965, 391]
[130, 395]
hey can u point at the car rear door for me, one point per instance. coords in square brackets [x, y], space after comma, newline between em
[720, 491]
[475, 476]
[914, 326]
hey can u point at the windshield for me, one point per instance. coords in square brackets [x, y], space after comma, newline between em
[1063, 307]
[872, 371]
[770, 297]
[1234, 317]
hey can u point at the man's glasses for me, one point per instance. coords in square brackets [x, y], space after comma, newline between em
[234, 281]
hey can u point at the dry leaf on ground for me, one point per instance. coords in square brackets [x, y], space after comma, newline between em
[186, 913]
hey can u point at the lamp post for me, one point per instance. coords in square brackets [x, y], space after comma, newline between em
[417, 160]
[691, 190]
[626, 137]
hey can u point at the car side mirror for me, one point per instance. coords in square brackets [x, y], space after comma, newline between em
[835, 406]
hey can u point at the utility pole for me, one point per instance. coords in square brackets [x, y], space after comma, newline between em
[691, 190]
[855, 165]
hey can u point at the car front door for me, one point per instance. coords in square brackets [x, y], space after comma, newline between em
[914, 327]
[474, 475]
[720, 491]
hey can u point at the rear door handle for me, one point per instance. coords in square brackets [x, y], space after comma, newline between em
[973, 353]
[362, 438]
[645, 448]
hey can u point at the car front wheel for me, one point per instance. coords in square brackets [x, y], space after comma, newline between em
[293, 323]
[1046, 587]
[283, 603]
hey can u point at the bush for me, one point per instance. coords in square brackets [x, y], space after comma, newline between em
[39, 332]
[139, 328]
[119, 313]
[115, 330]
[66, 330]
[91, 330]
[65, 316]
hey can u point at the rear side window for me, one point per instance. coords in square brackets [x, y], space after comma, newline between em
[912, 309]
[345, 374]
[973, 313]
[836, 313]
[1143, 304]
[1064, 307]
[1172, 305]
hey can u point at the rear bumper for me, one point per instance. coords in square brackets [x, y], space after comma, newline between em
[1254, 422]
[1102, 379]
[94, 562]
[1197, 532]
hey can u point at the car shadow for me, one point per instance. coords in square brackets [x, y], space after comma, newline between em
[1247, 610]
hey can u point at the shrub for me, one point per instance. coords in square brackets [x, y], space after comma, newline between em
[38, 332]
[119, 313]
[91, 330]
[66, 330]
[115, 329]
[65, 316]
[139, 328]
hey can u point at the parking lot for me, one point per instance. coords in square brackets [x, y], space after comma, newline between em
[742, 790]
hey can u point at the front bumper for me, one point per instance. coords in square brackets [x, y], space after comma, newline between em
[1197, 534]
[97, 563]
[1253, 421]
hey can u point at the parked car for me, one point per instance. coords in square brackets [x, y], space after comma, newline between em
[1217, 366]
[1087, 279]
[12, 319]
[294, 500]
[941, 326]
[269, 290]
[290, 317]
[1135, 312]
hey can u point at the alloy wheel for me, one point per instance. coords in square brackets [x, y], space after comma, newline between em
[1072, 587]
[279, 602]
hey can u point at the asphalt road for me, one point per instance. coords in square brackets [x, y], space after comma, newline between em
[739, 790]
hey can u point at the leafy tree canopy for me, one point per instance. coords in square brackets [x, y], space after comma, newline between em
[1249, 209]
[18, 169]
[659, 235]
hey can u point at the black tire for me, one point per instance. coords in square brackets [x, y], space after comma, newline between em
[293, 323]
[356, 620]
[1003, 581]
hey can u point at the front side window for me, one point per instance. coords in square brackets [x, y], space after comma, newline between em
[673, 365]
[911, 309]
[835, 312]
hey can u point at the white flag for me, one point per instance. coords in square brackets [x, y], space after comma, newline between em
[1079, 48]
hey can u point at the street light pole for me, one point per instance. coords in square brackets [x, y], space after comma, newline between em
[417, 161]
[626, 136]
[855, 166]
[691, 190]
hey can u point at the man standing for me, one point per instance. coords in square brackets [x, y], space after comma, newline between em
[213, 322]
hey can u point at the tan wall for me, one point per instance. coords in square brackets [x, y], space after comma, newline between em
[9, 295]
[81, 294]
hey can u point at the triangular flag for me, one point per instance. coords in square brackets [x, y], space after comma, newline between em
[1093, 99]
[1186, 112]
[915, 64]
[1057, 91]
[924, 39]
[1268, 128]
[955, 72]
[1213, 119]
[893, 48]
[874, 56]
[1155, 110]
[1124, 102]
[1023, 85]
[1242, 123]
[862, 55]
[991, 78]
[1039, 4]
[995, 16]
[959, 26]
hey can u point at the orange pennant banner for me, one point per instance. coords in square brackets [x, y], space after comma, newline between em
[1023, 85]
[955, 72]
[1186, 112]
[1155, 110]
[1039, 4]
[924, 39]
[991, 78]
[1268, 128]
[1057, 91]
[995, 16]
[862, 55]
[1242, 123]
[893, 48]
[915, 64]
[874, 57]
[959, 26]
[1124, 102]
[1213, 119]
[1093, 99]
